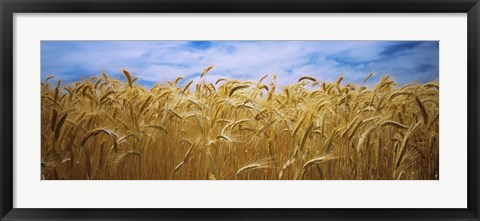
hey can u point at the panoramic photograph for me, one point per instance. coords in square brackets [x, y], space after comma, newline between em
[239, 110]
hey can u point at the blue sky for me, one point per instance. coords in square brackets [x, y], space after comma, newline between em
[161, 61]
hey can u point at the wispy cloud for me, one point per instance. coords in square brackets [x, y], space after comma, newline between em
[161, 61]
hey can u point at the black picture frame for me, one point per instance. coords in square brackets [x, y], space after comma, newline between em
[9, 7]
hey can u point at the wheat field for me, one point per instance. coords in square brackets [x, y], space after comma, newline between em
[109, 129]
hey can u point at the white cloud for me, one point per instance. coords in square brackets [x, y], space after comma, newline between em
[160, 61]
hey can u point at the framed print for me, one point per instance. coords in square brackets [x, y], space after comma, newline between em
[239, 110]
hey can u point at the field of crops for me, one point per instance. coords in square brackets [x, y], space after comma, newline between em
[105, 128]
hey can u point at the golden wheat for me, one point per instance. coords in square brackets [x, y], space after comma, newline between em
[105, 128]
